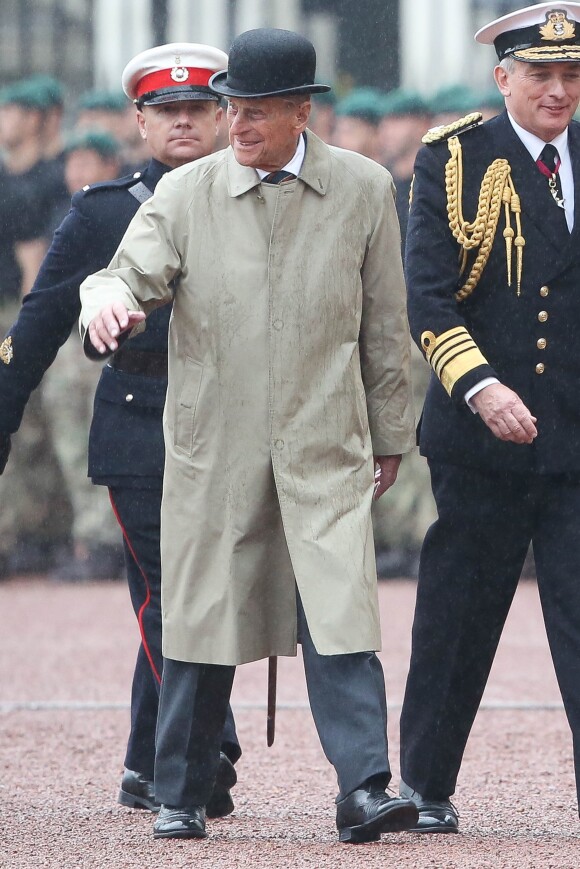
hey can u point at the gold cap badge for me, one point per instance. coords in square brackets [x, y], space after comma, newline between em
[557, 26]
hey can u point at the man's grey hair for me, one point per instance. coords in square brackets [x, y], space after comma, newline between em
[508, 64]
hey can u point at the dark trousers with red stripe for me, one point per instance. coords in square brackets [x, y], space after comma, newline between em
[138, 512]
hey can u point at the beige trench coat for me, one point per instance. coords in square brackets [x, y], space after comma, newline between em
[289, 365]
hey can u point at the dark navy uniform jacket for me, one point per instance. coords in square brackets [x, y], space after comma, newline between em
[126, 442]
[529, 342]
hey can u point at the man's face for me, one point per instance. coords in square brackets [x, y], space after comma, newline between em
[400, 134]
[18, 124]
[541, 97]
[180, 132]
[86, 166]
[355, 134]
[264, 132]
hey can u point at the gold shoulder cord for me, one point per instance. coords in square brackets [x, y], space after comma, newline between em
[497, 188]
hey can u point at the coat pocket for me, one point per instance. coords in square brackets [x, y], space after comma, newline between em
[186, 406]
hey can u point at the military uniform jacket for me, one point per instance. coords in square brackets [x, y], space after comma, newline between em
[289, 358]
[85, 242]
[528, 341]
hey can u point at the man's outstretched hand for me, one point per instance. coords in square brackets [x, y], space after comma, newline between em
[105, 328]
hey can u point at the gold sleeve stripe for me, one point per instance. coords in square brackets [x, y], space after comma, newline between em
[452, 355]
[440, 359]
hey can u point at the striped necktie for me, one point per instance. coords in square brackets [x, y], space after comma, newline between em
[278, 177]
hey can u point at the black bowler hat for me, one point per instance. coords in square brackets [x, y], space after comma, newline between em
[268, 62]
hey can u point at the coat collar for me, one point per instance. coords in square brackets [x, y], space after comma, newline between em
[315, 170]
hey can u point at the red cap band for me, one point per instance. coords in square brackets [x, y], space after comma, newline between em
[163, 79]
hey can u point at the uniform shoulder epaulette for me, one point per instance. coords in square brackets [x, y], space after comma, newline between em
[115, 184]
[445, 131]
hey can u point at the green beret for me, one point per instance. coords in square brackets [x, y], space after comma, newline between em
[110, 101]
[404, 102]
[25, 93]
[491, 98]
[455, 98]
[52, 89]
[365, 103]
[328, 98]
[93, 140]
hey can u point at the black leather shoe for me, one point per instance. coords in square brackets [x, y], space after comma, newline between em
[187, 822]
[435, 816]
[220, 803]
[137, 792]
[364, 814]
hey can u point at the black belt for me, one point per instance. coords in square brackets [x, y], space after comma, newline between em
[140, 362]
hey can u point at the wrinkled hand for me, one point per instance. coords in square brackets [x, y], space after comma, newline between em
[5, 445]
[503, 411]
[105, 328]
[386, 469]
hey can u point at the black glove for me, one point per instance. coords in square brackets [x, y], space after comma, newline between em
[4, 449]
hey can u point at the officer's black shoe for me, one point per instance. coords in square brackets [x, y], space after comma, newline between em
[435, 816]
[366, 813]
[185, 822]
[220, 803]
[137, 792]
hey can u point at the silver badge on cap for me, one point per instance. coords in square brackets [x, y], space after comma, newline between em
[179, 73]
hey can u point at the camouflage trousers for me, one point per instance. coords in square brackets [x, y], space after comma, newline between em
[405, 512]
[35, 504]
[69, 389]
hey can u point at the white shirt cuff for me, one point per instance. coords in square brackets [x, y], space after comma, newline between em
[487, 381]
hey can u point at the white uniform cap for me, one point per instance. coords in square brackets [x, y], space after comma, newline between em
[537, 34]
[178, 71]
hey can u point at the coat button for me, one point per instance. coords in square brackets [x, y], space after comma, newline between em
[540, 368]
[136, 174]
[543, 316]
[278, 324]
[129, 397]
[541, 343]
[544, 291]
[279, 443]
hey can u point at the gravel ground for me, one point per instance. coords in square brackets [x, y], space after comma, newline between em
[66, 661]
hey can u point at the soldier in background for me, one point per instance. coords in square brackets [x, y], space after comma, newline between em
[451, 102]
[405, 118]
[357, 120]
[401, 517]
[68, 389]
[36, 515]
[323, 117]
[113, 113]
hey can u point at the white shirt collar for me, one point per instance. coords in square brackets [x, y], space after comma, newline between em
[535, 145]
[295, 164]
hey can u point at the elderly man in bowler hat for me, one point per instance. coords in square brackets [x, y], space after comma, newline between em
[288, 406]
[493, 269]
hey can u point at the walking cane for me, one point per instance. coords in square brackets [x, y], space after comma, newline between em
[271, 713]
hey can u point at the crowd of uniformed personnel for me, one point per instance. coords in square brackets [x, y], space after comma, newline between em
[53, 520]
